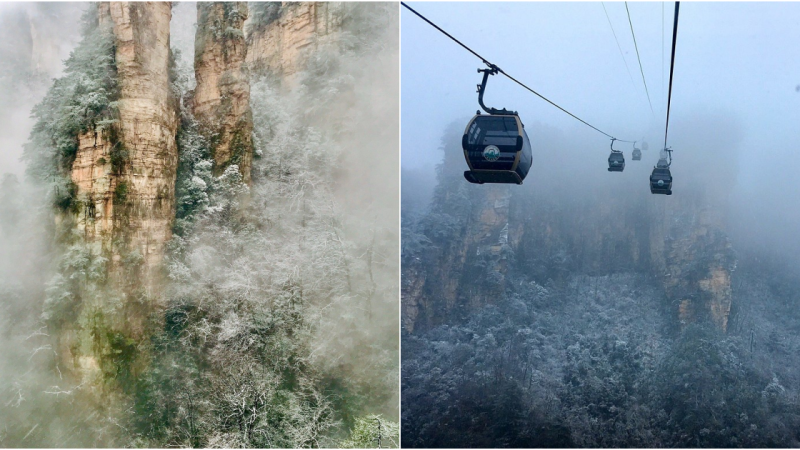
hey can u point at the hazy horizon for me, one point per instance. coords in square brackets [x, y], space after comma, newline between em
[733, 60]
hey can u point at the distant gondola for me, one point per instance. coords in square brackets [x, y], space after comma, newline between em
[637, 154]
[496, 146]
[616, 160]
[661, 178]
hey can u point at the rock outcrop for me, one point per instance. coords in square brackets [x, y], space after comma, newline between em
[32, 44]
[282, 37]
[471, 271]
[482, 238]
[125, 172]
[221, 100]
[96, 184]
[693, 257]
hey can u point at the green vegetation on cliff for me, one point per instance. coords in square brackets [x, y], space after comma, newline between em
[81, 101]
[275, 327]
[542, 318]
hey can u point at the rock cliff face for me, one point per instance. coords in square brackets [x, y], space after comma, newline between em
[124, 173]
[142, 157]
[284, 37]
[96, 183]
[470, 272]
[693, 257]
[17, 23]
[484, 237]
[221, 100]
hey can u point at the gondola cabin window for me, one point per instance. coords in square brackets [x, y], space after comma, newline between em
[493, 130]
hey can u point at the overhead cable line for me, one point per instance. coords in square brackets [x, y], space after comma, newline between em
[494, 67]
[662, 51]
[617, 40]
[640, 60]
[671, 67]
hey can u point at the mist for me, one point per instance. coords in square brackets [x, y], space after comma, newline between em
[282, 294]
[734, 65]
[36, 38]
[547, 310]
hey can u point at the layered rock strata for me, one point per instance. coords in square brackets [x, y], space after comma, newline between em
[221, 100]
[282, 42]
[125, 172]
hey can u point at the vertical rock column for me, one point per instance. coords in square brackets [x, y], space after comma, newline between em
[694, 258]
[221, 100]
[125, 172]
[282, 43]
[470, 271]
[144, 190]
[96, 182]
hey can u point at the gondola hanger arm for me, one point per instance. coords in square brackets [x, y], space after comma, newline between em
[612, 145]
[496, 69]
[492, 70]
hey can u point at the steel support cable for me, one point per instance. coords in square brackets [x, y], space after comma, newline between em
[447, 34]
[639, 59]
[662, 51]
[617, 41]
[671, 68]
[492, 66]
[562, 109]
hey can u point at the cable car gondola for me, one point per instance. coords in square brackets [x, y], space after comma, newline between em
[637, 154]
[496, 146]
[661, 178]
[616, 160]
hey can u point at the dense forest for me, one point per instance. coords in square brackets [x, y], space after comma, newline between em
[579, 310]
[271, 320]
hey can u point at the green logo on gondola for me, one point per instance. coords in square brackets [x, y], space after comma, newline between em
[491, 153]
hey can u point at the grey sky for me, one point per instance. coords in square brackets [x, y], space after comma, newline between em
[741, 58]
[737, 66]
